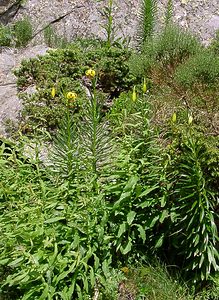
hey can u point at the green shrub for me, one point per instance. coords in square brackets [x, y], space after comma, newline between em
[146, 21]
[22, 32]
[214, 46]
[49, 36]
[5, 36]
[53, 40]
[202, 68]
[193, 200]
[169, 48]
[154, 282]
[173, 45]
[64, 69]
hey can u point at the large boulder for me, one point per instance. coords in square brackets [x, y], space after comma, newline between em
[8, 9]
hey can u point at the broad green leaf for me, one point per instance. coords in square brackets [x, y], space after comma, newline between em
[92, 277]
[4, 261]
[105, 268]
[154, 221]
[142, 233]
[122, 229]
[45, 293]
[127, 248]
[130, 217]
[127, 191]
[164, 215]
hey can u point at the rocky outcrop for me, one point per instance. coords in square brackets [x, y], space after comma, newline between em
[8, 10]
[86, 18]
[10, 59]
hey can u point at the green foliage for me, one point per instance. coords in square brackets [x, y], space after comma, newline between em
[214, 46]
[154, 282]
[173, 44]
[5, 36]
[108, 27]
[167, 49]
[169, 13]
[194, 201]
[202, 68]
[63, 69]
[146, 21]
[49, 36]
[22, 31]
[53, 40]
[116, 187]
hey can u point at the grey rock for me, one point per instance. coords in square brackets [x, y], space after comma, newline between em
[8, 9]
[10, 104]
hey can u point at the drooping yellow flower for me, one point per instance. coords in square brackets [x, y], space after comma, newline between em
[190, 119]
[144, 87]
[90, 73]
[53, 92]
[174, 117]
[134, 95]
[71, 95]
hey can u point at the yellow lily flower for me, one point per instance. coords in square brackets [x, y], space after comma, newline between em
[90, 73]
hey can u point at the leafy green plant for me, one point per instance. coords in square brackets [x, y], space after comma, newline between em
[173, 44]
[108, 27]
[5, 36]
[167, 49]
[49, 36]
[146, 21]
[63, 69]
[168, 13]
[201, 68]
[77, 260]
[194, 199]
[214, 46]
[53, 40]
[22, 31]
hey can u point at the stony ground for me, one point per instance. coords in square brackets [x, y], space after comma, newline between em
[84, 18]
[10, 59]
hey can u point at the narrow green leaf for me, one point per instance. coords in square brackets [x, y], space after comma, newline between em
[53, 220]
[15, 262]
[159, 242]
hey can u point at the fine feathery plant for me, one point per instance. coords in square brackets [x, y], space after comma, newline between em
[200, 69]
[193, 202]
[23, 32]
[146, 21]
[88, 141]
[5, 36]
[168, 13]
[108, 26]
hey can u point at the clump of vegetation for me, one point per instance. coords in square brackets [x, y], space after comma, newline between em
[5, 36]
[215, 43]
[132, 173]
[64, 69]
[23, 32]
[19, 34]
[200, 69]
[53, 40]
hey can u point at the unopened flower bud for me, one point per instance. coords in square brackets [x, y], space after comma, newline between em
[134, 95]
